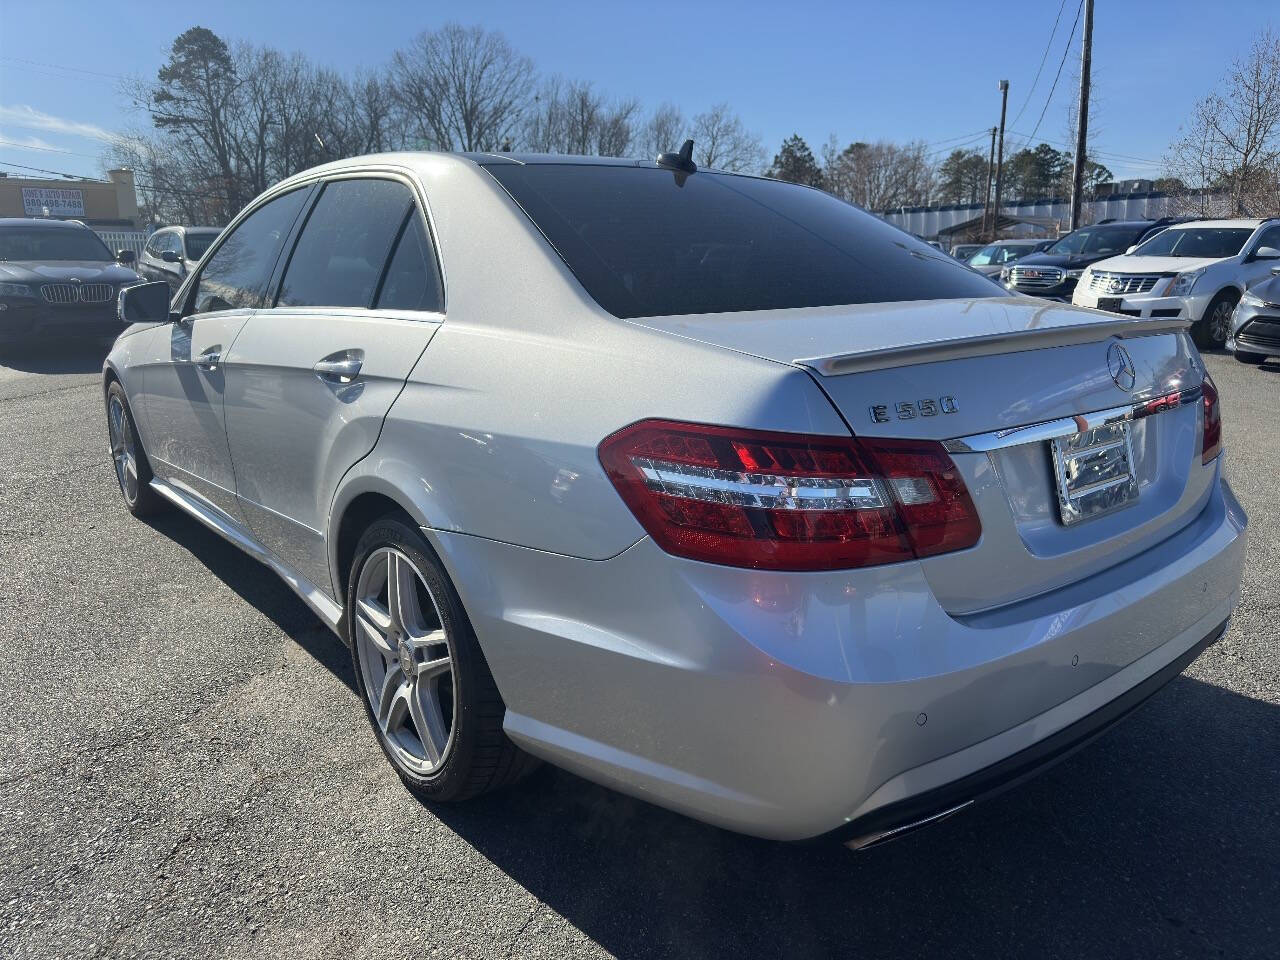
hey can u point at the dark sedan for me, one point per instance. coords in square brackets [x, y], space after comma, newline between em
[57, 278]
[1052, 274]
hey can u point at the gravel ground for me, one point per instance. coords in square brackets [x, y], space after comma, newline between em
[185, 771]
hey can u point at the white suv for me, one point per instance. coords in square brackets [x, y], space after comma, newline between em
[1195, 270]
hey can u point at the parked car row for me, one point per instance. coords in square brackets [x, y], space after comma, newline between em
[1218, 274]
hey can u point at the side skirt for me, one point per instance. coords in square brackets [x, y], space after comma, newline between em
[320, 604]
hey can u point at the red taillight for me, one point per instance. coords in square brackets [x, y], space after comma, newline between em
[1212, 445]
[786, 501]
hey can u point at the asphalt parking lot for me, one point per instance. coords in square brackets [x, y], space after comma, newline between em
[185, 770]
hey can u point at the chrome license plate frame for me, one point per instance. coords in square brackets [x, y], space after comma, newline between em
[1094, 472]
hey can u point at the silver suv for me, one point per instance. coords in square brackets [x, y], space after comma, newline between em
[1194, 271]
[173, 252]
[709, 487]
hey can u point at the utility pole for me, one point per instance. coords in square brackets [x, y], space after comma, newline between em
[991, 171]
[1004, 103]
[1082, 118]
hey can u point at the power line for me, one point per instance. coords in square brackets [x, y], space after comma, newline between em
[58, 66]
[963, 136]
[32, 146]
[960, 146]
[56, 173]
[1101, 153]
[1067, 49]
[1043, 57]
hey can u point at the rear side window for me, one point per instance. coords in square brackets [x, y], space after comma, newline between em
[413, 280]
[339, 256]
[646, 242]
[237, 274]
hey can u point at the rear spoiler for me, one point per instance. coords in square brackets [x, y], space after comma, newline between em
[1013, 341]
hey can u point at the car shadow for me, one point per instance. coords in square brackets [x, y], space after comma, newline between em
[1161, 838]
[258, 586]
[69, 356]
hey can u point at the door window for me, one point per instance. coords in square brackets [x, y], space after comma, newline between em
[156, 244]
[237, 274]
[1269, 238]
[413, 279]
[340, 254]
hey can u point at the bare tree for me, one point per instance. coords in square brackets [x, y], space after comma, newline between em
[722, 140]
[1231, 144]
[881, 175]
[573, 118]
[664, 131]
[463, 88]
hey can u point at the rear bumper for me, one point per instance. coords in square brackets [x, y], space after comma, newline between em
[931, 806]
[792, 705]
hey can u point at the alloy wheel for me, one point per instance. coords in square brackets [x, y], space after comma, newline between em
[1220, 321]
[124, 450]
[406, 660]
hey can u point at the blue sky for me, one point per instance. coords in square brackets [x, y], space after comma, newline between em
[861, 71]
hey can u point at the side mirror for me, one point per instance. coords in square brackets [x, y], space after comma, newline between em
[1266, 253]
[170, 256]
[126, 256]
[145, 303]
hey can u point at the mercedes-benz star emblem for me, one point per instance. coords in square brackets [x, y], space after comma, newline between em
[1120, 366]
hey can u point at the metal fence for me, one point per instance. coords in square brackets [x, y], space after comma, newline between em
[927, 221]
[115, 240]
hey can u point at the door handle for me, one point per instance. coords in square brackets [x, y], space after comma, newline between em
[341, 368]
[210, 359]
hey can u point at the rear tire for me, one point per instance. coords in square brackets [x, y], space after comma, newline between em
[133, 471]
[1212, 329]
[1253, 359]
[438, 719]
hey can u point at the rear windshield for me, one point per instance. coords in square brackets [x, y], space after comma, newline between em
[51, 243]
[1196, 242]
[198, 243]
[646, 242]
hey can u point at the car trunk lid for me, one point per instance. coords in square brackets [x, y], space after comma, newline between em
[988, 370]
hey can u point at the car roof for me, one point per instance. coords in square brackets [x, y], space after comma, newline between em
[41, 222]
[1251, 223]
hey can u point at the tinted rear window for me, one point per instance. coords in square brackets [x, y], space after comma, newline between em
[644, 244]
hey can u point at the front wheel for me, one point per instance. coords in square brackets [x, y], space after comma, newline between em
[1212, 329]
[427, 689]
[133, 472]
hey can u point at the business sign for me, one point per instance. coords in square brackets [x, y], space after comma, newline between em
[53, 202]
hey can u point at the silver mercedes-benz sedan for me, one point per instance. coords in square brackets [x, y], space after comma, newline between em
[710, 488]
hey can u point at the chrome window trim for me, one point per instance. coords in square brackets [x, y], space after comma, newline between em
[1065, 426]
